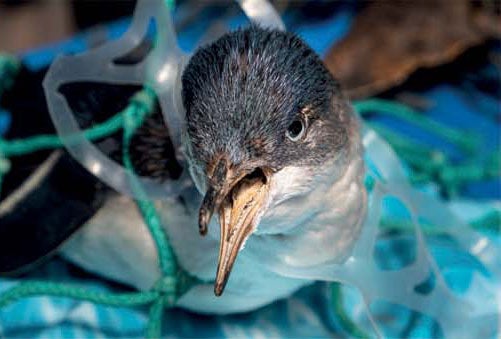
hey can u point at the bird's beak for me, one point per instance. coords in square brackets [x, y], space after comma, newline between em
[240, 203]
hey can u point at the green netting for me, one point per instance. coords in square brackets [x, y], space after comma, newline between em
[427, 165]
[174, 281]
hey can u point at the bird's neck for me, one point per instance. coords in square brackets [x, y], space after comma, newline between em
[321, 226]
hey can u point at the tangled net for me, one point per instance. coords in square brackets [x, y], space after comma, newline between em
[386, 178]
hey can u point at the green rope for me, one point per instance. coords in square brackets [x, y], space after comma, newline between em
[154, 328]
[490, 222]
[174, 281]
[429, 164]
[454, 176]
[464, 141]
[165, 254]
[16, 147]
[133, 118]
[345, 321]
[41, 288]
[165, 291]
[170, 4]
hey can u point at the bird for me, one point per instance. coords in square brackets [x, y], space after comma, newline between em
[274, 151]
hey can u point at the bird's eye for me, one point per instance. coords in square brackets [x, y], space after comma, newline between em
[296, 130]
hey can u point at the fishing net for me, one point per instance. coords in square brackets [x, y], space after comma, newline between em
[387, 283]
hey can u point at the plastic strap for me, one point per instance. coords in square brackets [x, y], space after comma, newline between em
[161, 70]
[262, 13]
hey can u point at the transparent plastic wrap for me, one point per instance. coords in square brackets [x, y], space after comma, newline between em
[465, 315]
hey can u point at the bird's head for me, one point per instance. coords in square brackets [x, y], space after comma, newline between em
[265, 120]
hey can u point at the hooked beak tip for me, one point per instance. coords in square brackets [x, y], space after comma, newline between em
[223, 273]
[219, 288]
[238, 201]
[238, 216]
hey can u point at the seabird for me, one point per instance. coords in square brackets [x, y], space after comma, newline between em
[274, 151]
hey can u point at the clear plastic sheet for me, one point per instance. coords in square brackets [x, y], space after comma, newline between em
[466, 315]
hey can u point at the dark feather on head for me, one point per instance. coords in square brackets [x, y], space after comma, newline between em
[242, 92]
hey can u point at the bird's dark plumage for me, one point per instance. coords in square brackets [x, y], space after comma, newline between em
[266, 122]
[151, 150]
[243, 91]
[66, 196]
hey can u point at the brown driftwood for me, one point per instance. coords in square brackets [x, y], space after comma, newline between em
[390, 40]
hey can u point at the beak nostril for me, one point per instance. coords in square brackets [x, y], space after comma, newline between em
[204, 218]
[206, 210]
